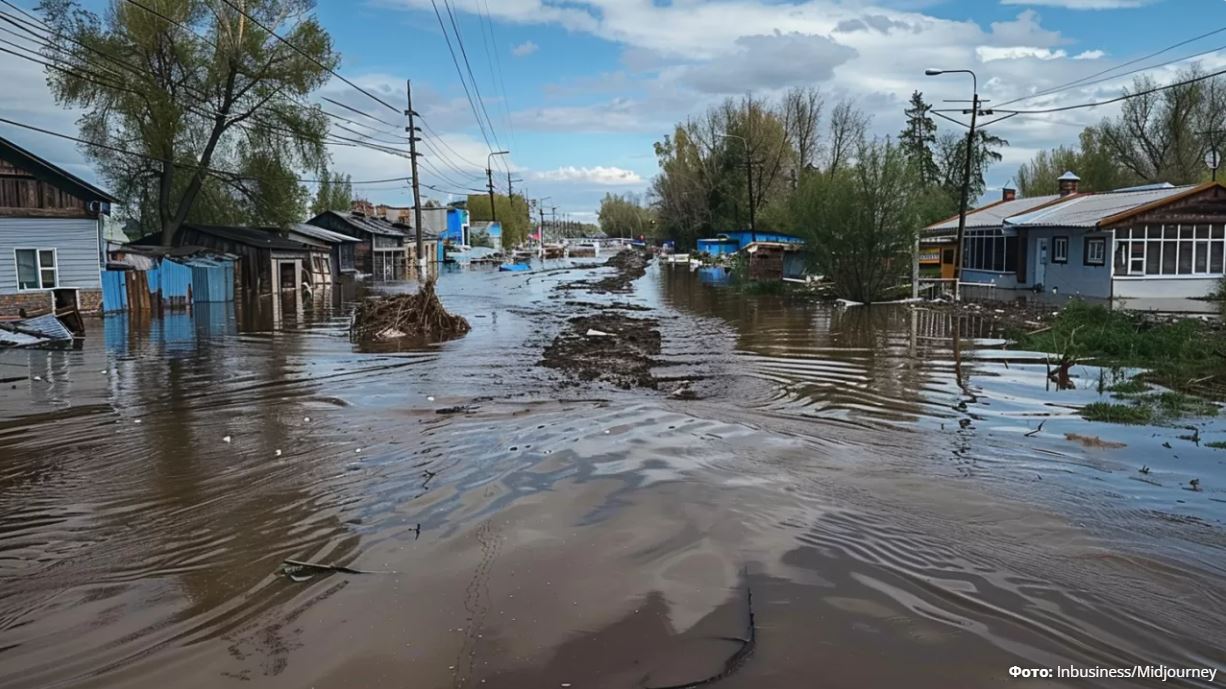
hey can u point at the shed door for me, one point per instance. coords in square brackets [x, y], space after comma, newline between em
[1040, 265]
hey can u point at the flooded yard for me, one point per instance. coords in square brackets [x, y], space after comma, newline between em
[848, 498]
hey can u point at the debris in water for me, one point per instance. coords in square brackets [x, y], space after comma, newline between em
[278, 453]
[1144, 469]
[225, 439]
[1094, 441]
[298, 571]
[598, 333]
[418, 315]
[1195, 484]
[459, 409]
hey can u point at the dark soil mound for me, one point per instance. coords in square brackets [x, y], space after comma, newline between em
[609, 347]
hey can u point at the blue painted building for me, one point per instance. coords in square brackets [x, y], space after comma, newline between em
[731, 242]
[142, 282]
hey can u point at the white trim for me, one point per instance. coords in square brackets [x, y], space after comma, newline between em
[38, 268]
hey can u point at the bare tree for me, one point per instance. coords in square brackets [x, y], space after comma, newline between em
[848, 125]
[802, 117]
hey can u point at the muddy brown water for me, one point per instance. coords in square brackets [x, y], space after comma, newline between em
[860, 480]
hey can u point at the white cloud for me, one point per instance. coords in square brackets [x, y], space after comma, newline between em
[1082, 4]
[1090, 55]
[768, 62]
[1017, 52]
[604, 176]
[524, 49]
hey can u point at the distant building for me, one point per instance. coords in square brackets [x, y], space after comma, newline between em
[385, 248]
[1155, 246]
[491, 231]
[732, 242]
[450, 225]
[50, 236]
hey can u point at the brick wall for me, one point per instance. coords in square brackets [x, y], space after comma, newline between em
[32, 302]
[89, 300]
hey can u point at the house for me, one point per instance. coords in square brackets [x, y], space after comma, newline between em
[341, 249]
[450, 225]
[385, 248]
[1153, 246]
[732, 242]
[938, 241]
[268, 261]
[50, 236]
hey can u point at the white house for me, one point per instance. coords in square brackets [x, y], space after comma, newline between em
[51, 249]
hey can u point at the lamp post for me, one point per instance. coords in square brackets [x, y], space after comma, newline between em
[966, 178]
[753, 225]
[489, 178]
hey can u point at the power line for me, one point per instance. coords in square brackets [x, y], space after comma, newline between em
[493, 56]
[472, 77]
[116, 149]
[455, 61]
[1117, 99]
[1076, 82]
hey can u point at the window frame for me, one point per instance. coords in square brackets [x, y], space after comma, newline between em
[1176, 249]
[38, 268]
[1056, 256]
[1102, 254]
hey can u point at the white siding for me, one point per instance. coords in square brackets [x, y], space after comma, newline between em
[75, 241]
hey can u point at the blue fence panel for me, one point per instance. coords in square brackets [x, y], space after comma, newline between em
[114, 291]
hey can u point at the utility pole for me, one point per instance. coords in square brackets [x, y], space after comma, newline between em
[753, 223]
[413, 139]
[489, 179]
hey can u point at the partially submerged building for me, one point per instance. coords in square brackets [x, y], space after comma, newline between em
[50, 236]
[385, 249]
[268, 260]
[1153, 246]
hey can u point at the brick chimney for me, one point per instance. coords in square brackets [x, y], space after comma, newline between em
[1008, 193]
[1068, 183]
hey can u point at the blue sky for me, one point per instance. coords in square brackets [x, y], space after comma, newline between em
[580, 89]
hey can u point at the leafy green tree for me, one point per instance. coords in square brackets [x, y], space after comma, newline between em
[951, 161]
[213, 108]
[625, 216]
[861, 221]
[335, 193]
[513, 215]
[918, 138]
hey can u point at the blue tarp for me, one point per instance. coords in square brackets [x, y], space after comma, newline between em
[177, 282]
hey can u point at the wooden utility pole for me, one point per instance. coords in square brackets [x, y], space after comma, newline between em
[413, 139]
[489, 180]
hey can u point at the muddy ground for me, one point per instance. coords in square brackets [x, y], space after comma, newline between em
[609, 345]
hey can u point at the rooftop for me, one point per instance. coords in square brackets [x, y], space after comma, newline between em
[1087, 210]
[993, 214]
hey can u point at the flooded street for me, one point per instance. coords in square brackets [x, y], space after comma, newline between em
[856, 498]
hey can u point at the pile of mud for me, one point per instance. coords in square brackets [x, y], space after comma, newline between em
[608, 347]
[420, 315]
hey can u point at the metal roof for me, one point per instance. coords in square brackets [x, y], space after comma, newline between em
[369, 225]
[1086, 210]
[51, 173]
[253, 236]
[322, 234]
[993, 214]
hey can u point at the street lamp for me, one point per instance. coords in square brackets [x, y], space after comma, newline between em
[753, 225]
[966, 177]
[489, 178]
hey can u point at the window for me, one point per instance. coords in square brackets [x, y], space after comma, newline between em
[1096, 252]
[36, 269]
[1170, 250]
[990, 251]
[1059, 250]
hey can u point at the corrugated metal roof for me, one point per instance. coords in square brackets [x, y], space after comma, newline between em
[322, 234]
[371, 225]
[1086, 210]
[993, 215]
[253, 236]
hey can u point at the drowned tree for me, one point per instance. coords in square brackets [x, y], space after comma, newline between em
[193, 112]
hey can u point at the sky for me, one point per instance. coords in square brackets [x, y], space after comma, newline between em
[579, 90]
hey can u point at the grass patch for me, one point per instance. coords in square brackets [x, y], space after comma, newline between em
[1149, 409]
[1118, 413]
[1186, 354]
[1217, 444]
[1130, 387]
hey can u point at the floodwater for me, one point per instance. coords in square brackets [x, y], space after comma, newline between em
[859, 498]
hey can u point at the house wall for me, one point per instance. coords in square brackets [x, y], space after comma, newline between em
[1174, 287]
[1072, 278]
[75, 241]
[23, 195]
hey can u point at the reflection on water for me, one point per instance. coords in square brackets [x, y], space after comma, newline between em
[872, 476]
